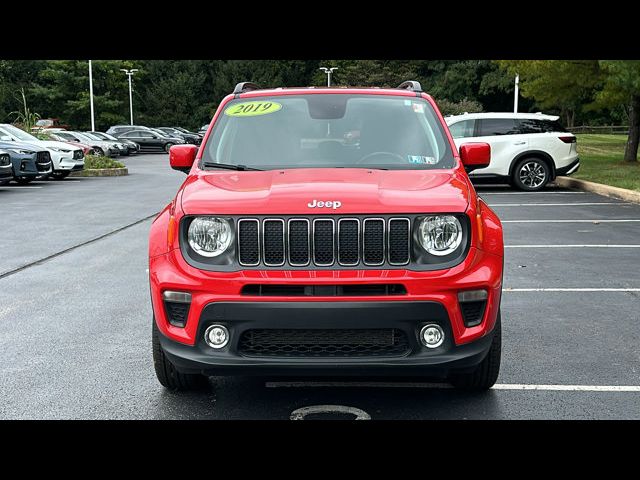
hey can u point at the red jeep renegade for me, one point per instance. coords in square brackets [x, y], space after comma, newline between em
[327, 231]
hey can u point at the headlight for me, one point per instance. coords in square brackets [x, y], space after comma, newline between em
[209, 236]
[440, 234]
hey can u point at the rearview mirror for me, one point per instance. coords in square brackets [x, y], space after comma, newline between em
[181, 157]
[475, 155]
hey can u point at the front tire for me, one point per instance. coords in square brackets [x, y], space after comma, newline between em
[530, 174]
[168, 146]
[166, 372]
[486, 373]
[98, 152]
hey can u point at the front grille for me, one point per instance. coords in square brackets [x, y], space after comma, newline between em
[378, 342]
[355, 290]
[43, 157]
[323, 242]
[78, 155]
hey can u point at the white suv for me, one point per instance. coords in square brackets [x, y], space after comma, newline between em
[527, 149]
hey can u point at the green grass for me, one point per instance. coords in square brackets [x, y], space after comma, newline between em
[601, 161]
[95, 162]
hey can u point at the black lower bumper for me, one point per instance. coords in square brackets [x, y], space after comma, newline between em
[573, 167]
[406, 316]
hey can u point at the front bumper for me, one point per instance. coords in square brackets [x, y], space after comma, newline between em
[405, 316]
[431, 297]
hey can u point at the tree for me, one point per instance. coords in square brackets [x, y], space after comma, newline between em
[622, 86]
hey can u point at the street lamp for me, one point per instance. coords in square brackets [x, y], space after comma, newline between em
[93, 120]
[328, 72]
[129, 74]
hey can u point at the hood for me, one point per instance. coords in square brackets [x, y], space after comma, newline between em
[21, 146]
[358, 191]
[54, 144]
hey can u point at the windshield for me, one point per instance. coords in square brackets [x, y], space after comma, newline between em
[329, 130]
[92, 136]
[83, 138]
[20, 134]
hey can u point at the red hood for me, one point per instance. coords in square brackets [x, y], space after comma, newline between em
[358, 190]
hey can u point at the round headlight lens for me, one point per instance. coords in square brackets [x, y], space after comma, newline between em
[440, 234]
[209, 236]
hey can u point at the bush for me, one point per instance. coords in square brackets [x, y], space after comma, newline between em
[100, 163]
[447, 107]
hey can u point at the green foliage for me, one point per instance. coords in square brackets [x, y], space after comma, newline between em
[622, 81]
[25, 118]
[465, 105]
[100, 162]
[601, 161]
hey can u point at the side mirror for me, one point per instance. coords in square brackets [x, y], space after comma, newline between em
[475, 155]
[181, 157]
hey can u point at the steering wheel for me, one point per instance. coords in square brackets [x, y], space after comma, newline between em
[379, 154]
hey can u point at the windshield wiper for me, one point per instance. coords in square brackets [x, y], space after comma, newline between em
[228, 166]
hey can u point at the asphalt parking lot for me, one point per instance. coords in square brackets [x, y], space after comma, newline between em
[75, 315]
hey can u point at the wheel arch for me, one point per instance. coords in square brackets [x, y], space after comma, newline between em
[548, 159]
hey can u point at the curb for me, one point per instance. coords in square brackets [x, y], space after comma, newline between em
[104, 172]
[599, 188]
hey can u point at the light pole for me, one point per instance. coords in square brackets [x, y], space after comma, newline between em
[328, 72]
[93, 121]
[129, 74]
[515, 94]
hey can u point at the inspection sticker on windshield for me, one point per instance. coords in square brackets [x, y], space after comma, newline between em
[251, 109]
[418, 108]
[422, 159]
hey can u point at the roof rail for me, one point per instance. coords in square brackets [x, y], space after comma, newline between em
[411, 85]
[243, 87]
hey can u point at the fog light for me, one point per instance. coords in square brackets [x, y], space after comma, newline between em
[216, 336]
[472, 296]
[432, 336]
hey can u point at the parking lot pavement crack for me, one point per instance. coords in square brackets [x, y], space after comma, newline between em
[74, 247]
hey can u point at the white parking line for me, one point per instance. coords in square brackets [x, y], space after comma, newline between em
[571, 290]
[572, 246]
[530, 193]
[579, 204]
[497, 386]
[622, 220]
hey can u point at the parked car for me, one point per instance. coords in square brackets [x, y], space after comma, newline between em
[203, 129]
[186, 136]
[52, 135]
[100, 147]
[528, 150]
[150, 140]
[184, 130]
[133, 147]
[6, 171]
[123, 149]
[116, 129]
[28, 161]
[288, 252]
[65, 158]
[45, 123]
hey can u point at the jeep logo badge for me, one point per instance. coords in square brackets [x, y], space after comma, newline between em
[328, 204]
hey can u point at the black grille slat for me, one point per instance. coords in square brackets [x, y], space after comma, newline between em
[373, 241]
[348, 290]
[348, 241]
[472, 312]
[177, 313]
[299, 242]
[398, 241]
[323, 242]
[323, 342]
[273, 241]
[248, 242]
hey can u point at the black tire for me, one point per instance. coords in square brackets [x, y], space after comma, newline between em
[23, 180]
[59, 175]
[166, 372]
[530, 174]
[486, 373]
[98, 152]
[167, 146]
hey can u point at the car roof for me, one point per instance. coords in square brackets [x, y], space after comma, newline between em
[328, 90]
[474, 116]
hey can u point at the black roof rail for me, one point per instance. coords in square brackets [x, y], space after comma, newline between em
[245, 87]
[411, 85]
